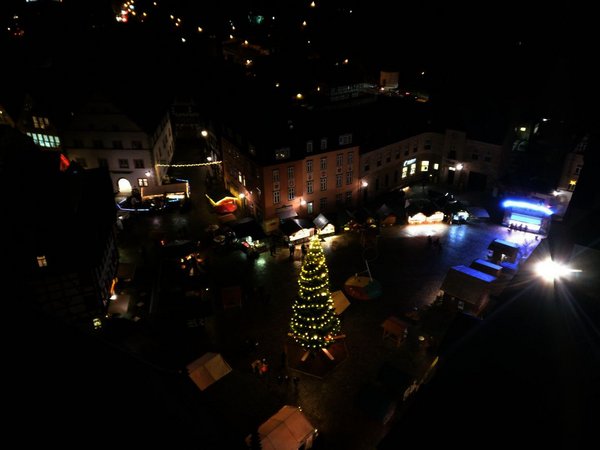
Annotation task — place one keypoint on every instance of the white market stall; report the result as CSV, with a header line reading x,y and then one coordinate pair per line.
x,y
288,429
208,369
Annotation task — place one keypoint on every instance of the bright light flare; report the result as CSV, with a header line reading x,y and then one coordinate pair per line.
x,y
551,270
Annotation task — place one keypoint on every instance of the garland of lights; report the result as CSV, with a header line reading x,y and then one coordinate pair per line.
x,y
212,163
314,324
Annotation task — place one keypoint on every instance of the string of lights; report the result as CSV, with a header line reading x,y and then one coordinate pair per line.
x,y
314,323
212,163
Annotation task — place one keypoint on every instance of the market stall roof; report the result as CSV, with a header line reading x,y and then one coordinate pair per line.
x,y
207,369
384,211
218,195
340,302
247,227
286,212
291,226
508,248
424,206
478,212
487,267
288,429
320,221
467,284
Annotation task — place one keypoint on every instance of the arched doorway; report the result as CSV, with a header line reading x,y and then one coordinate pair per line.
x,y
124,186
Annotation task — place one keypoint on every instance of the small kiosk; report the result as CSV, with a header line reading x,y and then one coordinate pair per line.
x,y
500,251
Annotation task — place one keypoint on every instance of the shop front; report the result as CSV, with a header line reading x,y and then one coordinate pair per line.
x,y
527,216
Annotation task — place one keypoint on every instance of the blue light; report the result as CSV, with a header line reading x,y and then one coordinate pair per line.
x,y
527,205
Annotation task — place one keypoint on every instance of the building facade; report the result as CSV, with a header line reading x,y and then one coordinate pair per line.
x,y
430,157
303,180
101,135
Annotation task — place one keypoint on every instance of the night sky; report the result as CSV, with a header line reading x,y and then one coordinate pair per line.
x,y
520,60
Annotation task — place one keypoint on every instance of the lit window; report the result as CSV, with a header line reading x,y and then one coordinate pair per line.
x,y
413,168
276,198
424,166
436,166
310,206
142,182
404,172
291,193
239,176
309,187
41,260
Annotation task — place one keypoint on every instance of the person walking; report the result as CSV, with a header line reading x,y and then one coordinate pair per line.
x,y
304,251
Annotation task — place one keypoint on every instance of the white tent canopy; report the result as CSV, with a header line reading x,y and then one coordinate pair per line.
x,y
288,429
207,369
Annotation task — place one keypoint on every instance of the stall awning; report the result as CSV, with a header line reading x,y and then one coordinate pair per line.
x,y
289,227
286,213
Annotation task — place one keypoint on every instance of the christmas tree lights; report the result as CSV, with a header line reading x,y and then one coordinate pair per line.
x,y
314,324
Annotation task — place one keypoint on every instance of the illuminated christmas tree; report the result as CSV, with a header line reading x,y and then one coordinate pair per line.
x,y
314,324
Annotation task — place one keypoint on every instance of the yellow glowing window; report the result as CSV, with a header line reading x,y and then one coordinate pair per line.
x,y
41,260
424,166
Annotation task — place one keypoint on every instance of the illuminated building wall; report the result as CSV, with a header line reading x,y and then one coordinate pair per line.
x,y
101,135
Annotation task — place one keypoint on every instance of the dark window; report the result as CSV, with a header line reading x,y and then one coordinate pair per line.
x,y
452,154
117,144
102,162
487,158
138,163
136,144
474,156
97,143
77,143
123,164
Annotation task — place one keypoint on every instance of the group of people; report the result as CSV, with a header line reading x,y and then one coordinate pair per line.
x,y
292,250
303,249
